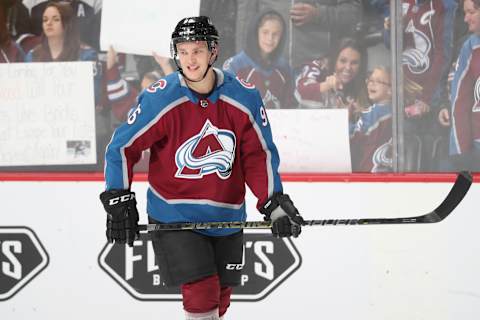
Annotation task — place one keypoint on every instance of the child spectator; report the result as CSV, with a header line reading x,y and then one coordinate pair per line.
x,y
371,136
313,27
260,62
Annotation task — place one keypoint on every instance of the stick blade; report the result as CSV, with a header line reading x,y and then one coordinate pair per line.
x,y
455,196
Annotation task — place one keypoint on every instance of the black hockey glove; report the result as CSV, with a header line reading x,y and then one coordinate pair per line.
x,y
286,221
122,216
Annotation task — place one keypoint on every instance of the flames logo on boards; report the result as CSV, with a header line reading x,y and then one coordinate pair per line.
x,y
212,150
382,158
476,95
417,58
158,85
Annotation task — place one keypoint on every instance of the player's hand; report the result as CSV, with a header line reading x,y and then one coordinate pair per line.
x,y
286,220
122,216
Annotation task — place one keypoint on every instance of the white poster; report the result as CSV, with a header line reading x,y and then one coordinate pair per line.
x,y
47,114
143,26
314,140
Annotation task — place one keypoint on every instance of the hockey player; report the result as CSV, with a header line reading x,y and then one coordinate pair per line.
x,y
209,135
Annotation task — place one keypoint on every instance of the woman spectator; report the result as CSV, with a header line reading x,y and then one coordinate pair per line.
x,y
9,50
60,41
260,62
336,81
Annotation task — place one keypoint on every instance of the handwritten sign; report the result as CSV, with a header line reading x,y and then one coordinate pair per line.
x,y
47,114
314,140
143,26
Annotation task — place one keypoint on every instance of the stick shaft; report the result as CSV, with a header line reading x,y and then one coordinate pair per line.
x,y
454,197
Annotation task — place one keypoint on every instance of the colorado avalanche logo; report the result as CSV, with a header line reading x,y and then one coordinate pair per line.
x,y
159,85
417,59
246,84
382,158
212,150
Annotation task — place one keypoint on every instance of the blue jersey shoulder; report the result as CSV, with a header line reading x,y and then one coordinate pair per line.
x,y
162,93
241,91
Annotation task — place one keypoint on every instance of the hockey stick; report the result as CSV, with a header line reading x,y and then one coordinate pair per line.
x,y
454,197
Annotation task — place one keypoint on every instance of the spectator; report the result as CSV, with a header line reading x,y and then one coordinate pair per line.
x,y
9,50
18,20
313,26
427,54
87,12
371,136
163,65
118,94
465,96
261,64
149,78
60,41
336,81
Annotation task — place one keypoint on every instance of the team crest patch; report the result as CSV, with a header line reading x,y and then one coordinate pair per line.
x,y
158,85
210,151
246,84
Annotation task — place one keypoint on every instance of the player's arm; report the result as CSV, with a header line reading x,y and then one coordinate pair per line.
x,y
260,161
138,133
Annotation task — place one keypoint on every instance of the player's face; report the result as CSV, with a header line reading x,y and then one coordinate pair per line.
x,y
194,58
378,86
269,35
472,16
347,65
52,23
